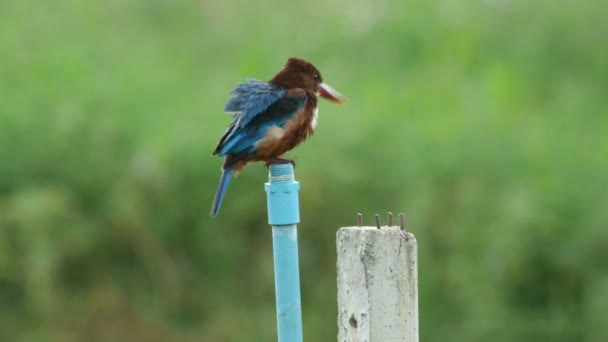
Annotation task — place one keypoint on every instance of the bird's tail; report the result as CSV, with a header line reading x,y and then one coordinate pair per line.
x,y
221,190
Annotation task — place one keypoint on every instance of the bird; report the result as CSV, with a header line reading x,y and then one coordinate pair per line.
x,y
269,119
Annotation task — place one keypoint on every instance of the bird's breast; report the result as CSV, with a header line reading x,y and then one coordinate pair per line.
x,y
278,140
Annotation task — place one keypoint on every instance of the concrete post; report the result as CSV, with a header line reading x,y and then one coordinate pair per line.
x,y
377,285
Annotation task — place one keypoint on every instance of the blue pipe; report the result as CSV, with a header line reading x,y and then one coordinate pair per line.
x,y
283,215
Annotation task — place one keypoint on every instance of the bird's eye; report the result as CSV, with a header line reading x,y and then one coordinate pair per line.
x,y
317,77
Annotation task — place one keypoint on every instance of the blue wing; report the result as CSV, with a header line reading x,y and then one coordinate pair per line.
x,y
258,106
250,99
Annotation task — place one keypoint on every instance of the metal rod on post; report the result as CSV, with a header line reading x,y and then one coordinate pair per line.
x,y
283,215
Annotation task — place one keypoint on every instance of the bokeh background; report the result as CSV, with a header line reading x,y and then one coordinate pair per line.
x,y
484,121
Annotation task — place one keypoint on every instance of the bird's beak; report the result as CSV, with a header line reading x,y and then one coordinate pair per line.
x,y
330,93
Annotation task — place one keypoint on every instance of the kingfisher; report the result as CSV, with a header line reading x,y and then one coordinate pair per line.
x,y
269,119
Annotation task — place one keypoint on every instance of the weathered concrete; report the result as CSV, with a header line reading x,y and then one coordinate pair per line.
x,y
377,285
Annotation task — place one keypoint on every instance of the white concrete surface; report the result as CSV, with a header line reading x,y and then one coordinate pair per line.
x,y
377,285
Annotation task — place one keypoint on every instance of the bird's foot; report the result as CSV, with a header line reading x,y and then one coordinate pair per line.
x,y
272,161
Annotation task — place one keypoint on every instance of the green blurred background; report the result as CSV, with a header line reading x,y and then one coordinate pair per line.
x,y
484,121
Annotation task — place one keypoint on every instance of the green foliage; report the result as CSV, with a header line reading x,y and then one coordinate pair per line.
x,y
485,122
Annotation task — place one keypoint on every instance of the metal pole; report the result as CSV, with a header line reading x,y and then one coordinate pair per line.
x,y
283,215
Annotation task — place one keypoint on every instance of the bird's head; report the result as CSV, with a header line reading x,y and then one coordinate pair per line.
x,y
298,73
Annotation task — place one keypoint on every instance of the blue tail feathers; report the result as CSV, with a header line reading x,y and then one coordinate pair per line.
x,y
221,191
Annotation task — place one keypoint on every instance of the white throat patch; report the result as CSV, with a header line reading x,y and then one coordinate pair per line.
x,y
315,118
